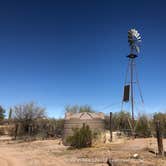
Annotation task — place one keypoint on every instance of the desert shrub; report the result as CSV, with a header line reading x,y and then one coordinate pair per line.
x,y
2,113
161,117
120,121
78,109
59,127
81,137
107,122
143,127
50,127
40,129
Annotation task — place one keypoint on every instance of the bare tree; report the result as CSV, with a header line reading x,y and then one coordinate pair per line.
x,y
27,114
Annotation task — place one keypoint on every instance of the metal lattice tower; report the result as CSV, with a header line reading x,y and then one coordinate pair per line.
x,y
134,40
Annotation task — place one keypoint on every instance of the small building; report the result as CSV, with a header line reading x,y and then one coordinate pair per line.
x,y
76,120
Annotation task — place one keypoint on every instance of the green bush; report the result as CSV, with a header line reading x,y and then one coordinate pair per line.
x,y
2,113
143,127
78,109
120,121
81,137
161,117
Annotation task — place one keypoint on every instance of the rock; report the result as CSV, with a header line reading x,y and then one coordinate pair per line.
x,y
136,156
109,162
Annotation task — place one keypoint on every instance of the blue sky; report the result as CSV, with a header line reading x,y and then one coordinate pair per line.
x,y
65,52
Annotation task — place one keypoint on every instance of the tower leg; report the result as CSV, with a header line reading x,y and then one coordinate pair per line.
x,y
132,93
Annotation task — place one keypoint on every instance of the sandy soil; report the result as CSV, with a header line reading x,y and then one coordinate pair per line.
x,y
38,153
51,153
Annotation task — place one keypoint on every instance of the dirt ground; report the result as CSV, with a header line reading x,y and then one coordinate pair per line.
x,y
52,153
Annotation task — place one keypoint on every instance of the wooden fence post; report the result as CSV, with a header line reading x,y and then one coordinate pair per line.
x,y
16,131
159,138
111,126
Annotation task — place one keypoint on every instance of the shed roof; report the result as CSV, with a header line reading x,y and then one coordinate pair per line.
x,y
84,115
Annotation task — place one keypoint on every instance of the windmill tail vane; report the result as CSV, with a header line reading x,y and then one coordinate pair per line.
x,y
134,40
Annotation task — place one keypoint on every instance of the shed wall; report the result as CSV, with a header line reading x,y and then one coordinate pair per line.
x,y
94,124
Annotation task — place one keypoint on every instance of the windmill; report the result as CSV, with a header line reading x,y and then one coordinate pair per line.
x,y
134,40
